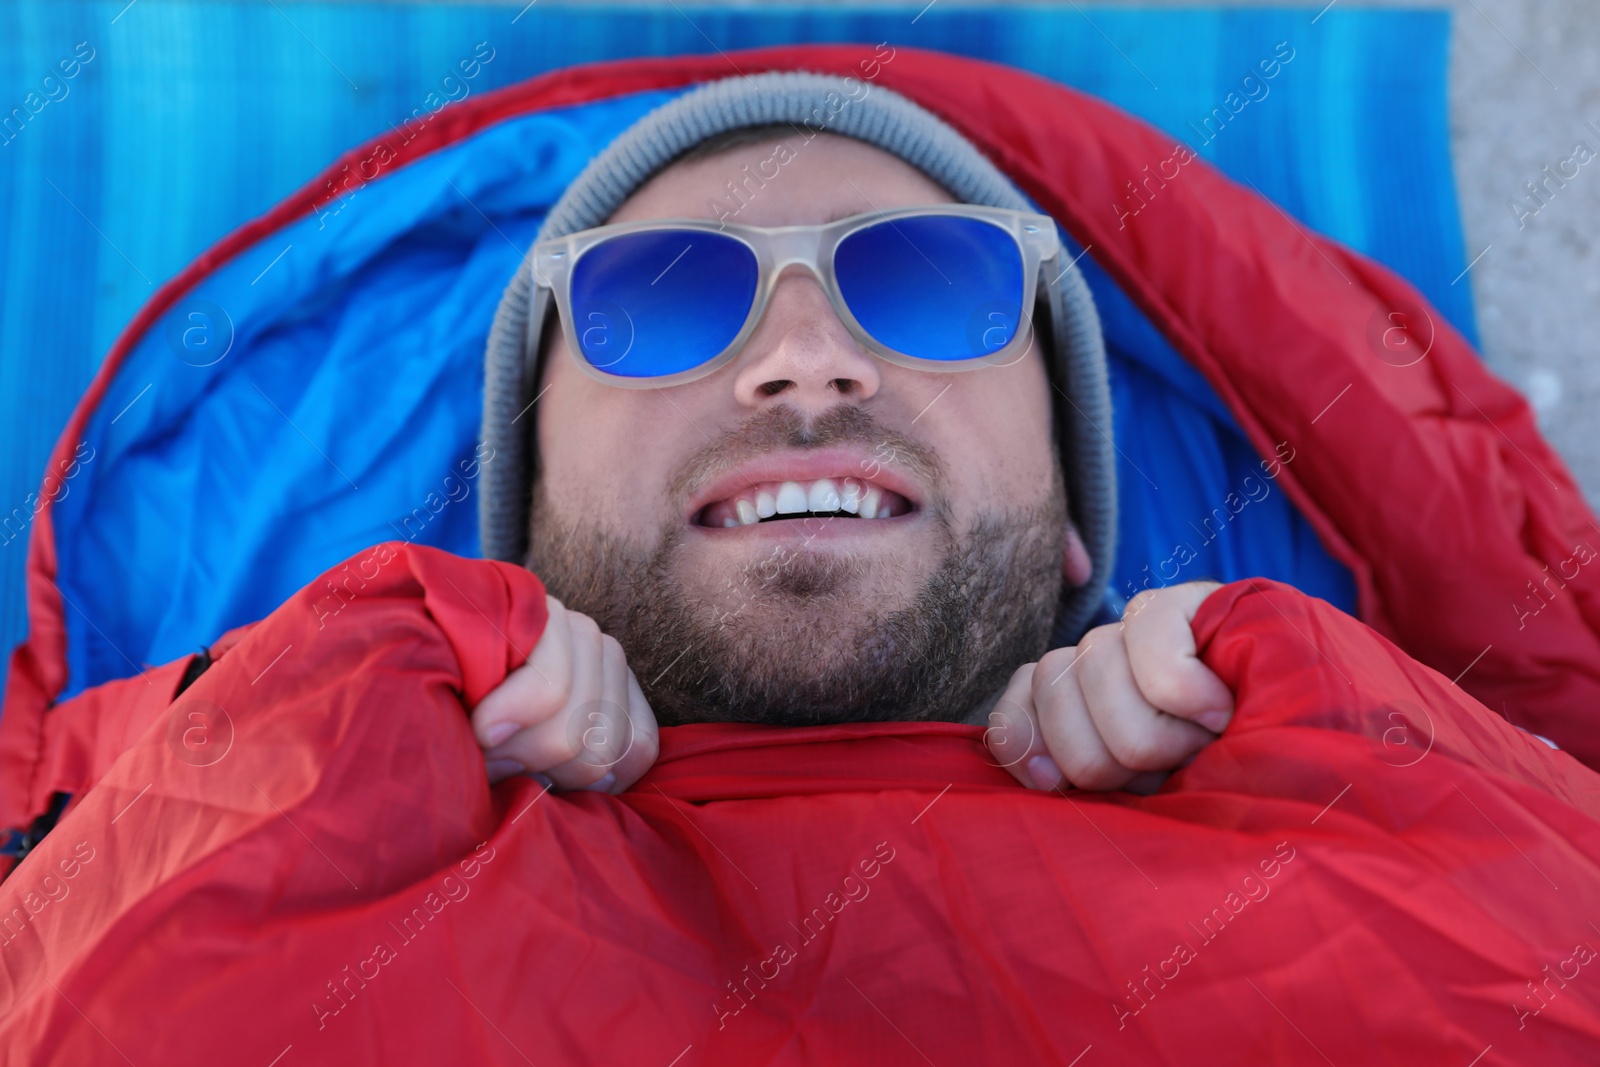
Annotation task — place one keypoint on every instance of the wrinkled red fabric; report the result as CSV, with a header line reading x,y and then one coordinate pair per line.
x,y
1367,867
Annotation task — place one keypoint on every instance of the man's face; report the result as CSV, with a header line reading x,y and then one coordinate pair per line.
x,y
921,614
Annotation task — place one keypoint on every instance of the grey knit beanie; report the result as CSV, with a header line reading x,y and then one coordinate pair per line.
x,y
824,103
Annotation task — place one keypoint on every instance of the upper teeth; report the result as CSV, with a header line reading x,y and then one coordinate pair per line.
x,y
823,496
851,501
849,495
792,499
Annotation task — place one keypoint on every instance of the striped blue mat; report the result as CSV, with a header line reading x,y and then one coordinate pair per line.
x,y
180,121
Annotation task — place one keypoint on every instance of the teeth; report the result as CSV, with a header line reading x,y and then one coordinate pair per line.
x,y
852,496
823,496
851,501
791,499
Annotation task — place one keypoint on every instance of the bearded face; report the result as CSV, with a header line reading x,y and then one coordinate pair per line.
x,y
808,533
796,631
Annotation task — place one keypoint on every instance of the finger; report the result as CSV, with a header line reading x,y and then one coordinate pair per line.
x,y
534,692
1137,734
1161,652
600,731
556,740
1070,734
641,755
1013,736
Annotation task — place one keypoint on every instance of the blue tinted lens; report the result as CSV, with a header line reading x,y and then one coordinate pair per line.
x,y
938,287
646,305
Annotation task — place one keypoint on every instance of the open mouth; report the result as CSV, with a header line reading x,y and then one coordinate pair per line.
x,y
846,498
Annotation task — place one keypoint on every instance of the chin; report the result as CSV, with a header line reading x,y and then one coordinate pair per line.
x,y
814,638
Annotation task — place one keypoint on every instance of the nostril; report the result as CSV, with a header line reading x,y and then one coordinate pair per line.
x,y
845,385
773,388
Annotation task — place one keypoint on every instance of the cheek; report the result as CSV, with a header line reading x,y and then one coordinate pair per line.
x,y
580,450
606,452
998,439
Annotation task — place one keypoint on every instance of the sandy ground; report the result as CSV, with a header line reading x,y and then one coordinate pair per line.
x,y
1525,91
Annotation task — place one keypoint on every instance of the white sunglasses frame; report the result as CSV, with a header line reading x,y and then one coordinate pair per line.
x,y
811,246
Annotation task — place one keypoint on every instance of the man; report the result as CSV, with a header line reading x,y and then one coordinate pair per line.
x,y
660,524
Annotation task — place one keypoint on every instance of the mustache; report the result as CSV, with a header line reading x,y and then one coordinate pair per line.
x,y
784,427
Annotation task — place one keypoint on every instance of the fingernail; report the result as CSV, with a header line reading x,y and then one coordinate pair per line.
x,y
1215,720
503,768
604,784
1043,772
498,733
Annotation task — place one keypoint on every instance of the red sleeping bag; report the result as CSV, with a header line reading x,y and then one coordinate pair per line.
x,y
1368,867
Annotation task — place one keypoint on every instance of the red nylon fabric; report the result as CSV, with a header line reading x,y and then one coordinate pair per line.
x,y
343,886
80,738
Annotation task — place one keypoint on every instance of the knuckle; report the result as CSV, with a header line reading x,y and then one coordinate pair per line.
x,y
555,687
1022,675
1138,750
1140,601
555,609
583,626
1052,678
1055,661
1098,672
1162,689
1101,639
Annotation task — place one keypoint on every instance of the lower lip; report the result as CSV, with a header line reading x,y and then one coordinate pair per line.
x,y
821,529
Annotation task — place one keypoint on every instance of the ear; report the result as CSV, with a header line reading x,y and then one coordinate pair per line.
x,y
1075,563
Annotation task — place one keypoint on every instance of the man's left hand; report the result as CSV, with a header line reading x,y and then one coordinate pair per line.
x,y
1126,706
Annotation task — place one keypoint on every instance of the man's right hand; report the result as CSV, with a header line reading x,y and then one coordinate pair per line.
x,y
574,714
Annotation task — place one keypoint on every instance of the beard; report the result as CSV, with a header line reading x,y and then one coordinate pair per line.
x,y
792,637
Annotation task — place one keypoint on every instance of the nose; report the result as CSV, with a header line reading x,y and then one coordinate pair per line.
x,y
801,354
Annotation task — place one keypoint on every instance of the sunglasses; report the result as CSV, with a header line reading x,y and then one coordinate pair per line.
x,y
663,302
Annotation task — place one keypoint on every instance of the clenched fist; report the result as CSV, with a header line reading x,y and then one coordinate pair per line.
x,y
573,715
1121,710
